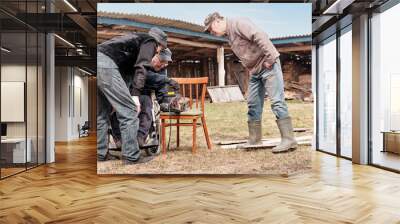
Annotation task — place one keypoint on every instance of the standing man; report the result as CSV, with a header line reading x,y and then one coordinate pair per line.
x,y
257,53
131,56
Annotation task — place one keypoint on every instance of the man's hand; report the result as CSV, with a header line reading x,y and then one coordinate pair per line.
x,y
136,102
268,65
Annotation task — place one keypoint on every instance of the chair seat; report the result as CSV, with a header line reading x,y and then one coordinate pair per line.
x,y
192,112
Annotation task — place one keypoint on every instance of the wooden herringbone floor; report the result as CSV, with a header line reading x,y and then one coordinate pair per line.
x,y
69,191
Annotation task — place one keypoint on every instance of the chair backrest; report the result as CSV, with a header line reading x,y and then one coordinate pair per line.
x,y
194,89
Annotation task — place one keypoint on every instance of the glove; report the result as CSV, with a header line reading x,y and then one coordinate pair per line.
x,y
136,102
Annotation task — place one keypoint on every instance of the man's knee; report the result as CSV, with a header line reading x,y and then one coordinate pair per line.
x,y
279,108
254,110
278,103
253,100
253,115
126,115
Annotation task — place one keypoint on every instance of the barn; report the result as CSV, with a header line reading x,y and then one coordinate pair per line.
x,y
196,53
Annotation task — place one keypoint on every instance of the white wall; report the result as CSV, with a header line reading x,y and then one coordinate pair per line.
x,y
61,103
70,83
79,117
12,73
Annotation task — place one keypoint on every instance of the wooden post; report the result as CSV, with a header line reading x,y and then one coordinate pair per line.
x,y
229,80
221,65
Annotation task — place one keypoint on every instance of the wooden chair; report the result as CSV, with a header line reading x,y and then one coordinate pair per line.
x,y
196,104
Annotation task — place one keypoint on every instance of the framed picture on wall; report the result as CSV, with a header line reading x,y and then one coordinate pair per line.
x,y
12,101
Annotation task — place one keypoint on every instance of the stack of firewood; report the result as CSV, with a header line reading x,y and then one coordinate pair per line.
x,y
296,91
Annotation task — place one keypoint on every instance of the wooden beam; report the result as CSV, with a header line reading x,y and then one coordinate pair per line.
x,y
106,34
192,43
296,48
101,36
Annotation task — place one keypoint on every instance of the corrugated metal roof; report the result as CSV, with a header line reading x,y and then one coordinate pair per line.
x,y
154,20
291,36
168,29
305,38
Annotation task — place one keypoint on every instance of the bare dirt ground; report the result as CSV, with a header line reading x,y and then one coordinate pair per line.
x,y
227,121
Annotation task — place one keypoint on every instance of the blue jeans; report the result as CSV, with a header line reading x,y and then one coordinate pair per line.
x,y
268,81
112,93
145,119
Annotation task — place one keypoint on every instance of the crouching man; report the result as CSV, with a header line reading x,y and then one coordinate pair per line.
x,y
122,62
257,53
157,81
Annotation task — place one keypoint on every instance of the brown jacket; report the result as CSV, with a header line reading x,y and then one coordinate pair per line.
x,y
250,44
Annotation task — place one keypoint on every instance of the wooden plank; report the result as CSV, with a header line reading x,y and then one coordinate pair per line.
x,y
232,142
222,94
234,93
192,43
264,145
269,146
216,95
300,129
294,48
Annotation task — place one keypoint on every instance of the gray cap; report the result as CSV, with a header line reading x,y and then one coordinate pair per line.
x,y
210,18
159,35
166,55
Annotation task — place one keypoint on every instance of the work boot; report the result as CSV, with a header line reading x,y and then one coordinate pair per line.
x,y
254,133
141,140
288,142
145,142
107,157
142,159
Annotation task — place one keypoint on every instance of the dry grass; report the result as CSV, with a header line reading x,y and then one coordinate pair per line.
x,y
226,121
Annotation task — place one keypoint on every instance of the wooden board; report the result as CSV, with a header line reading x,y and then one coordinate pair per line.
x,y
300,129
223,94
264,145
231,142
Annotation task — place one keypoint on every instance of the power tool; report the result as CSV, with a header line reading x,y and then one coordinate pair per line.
x,y
173,101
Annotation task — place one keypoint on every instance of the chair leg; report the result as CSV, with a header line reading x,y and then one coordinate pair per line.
x,y
164,147
194,135
177,133
203,121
